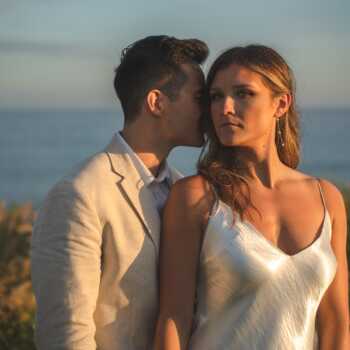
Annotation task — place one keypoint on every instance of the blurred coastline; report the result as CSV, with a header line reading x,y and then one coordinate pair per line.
x,y
38,147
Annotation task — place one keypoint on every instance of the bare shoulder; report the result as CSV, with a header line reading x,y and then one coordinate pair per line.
x,y
192,196
308,183
331,192
191,189
333,197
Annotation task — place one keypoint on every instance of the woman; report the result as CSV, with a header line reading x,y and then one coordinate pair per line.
x,y
253,251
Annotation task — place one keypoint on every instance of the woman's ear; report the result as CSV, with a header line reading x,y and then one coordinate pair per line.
x,y
284,102
155,102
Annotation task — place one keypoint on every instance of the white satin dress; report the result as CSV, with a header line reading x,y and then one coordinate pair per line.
x,y
253,296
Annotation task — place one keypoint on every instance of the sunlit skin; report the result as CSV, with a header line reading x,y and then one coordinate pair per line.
x,y
182,122
244,111
289,211
164,123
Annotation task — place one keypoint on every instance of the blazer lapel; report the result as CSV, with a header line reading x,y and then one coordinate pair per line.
x,y
134,190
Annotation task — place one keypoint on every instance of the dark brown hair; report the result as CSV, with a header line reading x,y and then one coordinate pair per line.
x,y
219,164
154,63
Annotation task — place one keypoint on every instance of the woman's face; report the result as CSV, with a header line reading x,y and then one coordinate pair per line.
x,y
243,108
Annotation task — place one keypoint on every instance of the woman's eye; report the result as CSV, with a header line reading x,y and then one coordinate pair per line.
x,y
244,93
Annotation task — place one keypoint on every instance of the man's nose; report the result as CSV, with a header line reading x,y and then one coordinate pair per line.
x,y
229,105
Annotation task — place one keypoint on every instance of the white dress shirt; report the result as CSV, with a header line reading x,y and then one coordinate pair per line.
x,y
159,185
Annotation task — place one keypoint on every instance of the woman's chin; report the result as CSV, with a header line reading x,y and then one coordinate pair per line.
x,y
228,140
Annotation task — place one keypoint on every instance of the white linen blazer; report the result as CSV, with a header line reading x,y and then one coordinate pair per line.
x,y
95,258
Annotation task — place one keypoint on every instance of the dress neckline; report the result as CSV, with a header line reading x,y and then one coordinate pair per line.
x,y
237,221
260,235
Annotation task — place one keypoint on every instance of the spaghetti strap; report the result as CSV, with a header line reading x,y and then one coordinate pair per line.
x,y
321,192
214,192
216,202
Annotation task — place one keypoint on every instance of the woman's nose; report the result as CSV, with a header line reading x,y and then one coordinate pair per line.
x,y
229,106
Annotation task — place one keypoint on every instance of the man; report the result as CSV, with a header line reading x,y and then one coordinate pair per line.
x,y
95,243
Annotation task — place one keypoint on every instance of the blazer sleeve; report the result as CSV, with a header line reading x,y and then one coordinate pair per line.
x,y
66,262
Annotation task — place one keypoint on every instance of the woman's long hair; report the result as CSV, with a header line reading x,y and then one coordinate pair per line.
x,y
219,164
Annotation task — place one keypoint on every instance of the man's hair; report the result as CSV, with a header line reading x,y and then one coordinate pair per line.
x,y
154,63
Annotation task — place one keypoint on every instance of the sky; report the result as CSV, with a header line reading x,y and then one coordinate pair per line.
x,y
62,54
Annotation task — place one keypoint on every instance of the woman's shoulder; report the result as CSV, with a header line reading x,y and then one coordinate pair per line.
x,y
333,196
192,192
191,186
331,193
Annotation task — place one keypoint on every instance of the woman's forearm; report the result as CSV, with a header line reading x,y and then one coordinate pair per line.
x,y
334,337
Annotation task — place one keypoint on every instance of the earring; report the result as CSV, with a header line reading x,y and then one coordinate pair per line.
x,y
279,133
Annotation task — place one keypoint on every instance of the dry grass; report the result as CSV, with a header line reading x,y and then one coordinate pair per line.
x,y
17,303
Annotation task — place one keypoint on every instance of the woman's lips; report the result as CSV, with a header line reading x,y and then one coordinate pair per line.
x,y
231,124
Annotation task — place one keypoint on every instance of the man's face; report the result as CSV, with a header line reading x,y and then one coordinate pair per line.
x,y
184,113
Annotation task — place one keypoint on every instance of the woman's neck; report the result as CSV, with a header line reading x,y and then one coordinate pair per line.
x,y
260,167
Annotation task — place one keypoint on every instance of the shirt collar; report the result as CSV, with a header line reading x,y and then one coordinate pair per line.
x,y
146,176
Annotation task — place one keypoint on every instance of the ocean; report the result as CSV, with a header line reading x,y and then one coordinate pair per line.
x,y
37,147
